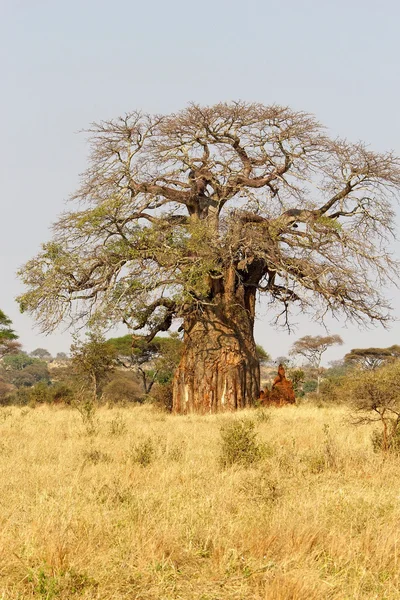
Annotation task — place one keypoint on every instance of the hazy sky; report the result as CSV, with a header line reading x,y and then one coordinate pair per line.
x,y
66,64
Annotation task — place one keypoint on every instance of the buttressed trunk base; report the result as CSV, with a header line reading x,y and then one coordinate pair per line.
x,y
219,369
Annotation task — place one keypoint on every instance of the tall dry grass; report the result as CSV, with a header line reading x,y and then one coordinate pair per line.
x,y
143,508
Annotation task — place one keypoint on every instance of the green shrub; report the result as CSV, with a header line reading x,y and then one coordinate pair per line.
x,y
40,393
121,390
310,386
20,397
144,452
239,444
61,393
375,396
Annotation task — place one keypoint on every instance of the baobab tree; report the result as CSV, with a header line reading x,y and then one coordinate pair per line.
x,y
185,218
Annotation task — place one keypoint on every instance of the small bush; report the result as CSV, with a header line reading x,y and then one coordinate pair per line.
x,y
20,397
332,391
40,393
61,393
87,408
161,394
122,391
239,444
96,456
144,452
310,386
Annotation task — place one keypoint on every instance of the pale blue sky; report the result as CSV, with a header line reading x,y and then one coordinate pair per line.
x,y
65,64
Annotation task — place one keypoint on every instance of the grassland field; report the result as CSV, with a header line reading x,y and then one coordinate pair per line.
x,y
141,507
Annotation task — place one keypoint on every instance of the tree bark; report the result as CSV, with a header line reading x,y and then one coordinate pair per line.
x,y
219,369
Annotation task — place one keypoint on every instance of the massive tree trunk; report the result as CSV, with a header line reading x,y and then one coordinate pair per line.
x,y
219,369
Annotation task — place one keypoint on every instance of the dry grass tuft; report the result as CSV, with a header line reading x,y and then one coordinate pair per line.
x,y
146,509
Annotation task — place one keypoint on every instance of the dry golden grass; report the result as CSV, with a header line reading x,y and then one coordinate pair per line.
x,y
143,510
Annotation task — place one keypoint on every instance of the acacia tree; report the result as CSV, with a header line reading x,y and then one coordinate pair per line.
x,y
375,396
42,354
93,361
312,347
372,358
8,337
188,216
153,361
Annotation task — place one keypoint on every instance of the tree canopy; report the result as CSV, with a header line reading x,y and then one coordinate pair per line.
x,y
372,358
172,200
42,353
154,361
312,347
8,337
93,361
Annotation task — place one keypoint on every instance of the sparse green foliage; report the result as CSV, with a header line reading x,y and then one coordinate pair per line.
x,y
40,393
62,392
309,386
18,362
86,405
93,362
375,396
297,377
153,361
8,337
262,354
22,370
239,445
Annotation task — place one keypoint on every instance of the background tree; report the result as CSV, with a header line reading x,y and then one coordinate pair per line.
x,y
6,390
93,361
18,362
42,354
188,216
153,361
8,337
312,348
286,361
297,377
375,396
262,355
372,358
23,370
